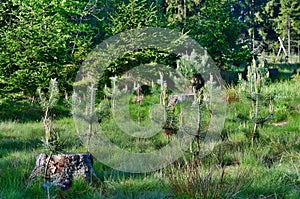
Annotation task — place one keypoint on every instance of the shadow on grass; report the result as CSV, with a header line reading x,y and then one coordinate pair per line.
x,y
278,72
24,111
8,146
286,70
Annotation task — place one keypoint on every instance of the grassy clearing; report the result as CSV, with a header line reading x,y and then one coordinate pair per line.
x,y
234,169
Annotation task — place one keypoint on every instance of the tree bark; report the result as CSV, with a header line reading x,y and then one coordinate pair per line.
x,y
61,169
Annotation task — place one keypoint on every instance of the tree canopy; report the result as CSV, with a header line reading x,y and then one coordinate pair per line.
x,y
43,39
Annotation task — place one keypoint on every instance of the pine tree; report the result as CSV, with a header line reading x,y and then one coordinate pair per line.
x,y
135,14
41,40
288,23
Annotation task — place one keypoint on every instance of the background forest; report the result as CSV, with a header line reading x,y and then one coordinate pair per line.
x,y
41,40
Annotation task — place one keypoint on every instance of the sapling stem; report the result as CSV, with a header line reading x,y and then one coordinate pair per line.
x,y
138,89
257,77
91,114
48,103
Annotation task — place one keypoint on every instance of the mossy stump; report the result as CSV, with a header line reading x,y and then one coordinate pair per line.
x,y
61,169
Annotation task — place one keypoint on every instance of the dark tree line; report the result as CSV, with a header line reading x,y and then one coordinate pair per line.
x,y
40,40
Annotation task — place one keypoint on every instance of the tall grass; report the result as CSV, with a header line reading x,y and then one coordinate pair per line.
x,y
233,169
191,180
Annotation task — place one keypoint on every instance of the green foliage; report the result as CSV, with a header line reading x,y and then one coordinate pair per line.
x,y
273,18
38,42
50,100
216,29
261,110
212,24
127,15
265,21
192,65
54,144
289,13
103,110
132,14
51,141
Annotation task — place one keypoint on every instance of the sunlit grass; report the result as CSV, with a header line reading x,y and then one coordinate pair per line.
x,y
270,168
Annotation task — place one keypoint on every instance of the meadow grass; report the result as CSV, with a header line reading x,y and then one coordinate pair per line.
x,y
233,169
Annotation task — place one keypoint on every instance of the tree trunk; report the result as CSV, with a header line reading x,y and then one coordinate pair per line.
x,y
61,169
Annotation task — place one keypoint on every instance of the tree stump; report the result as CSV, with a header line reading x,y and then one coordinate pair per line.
x,y
61,169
